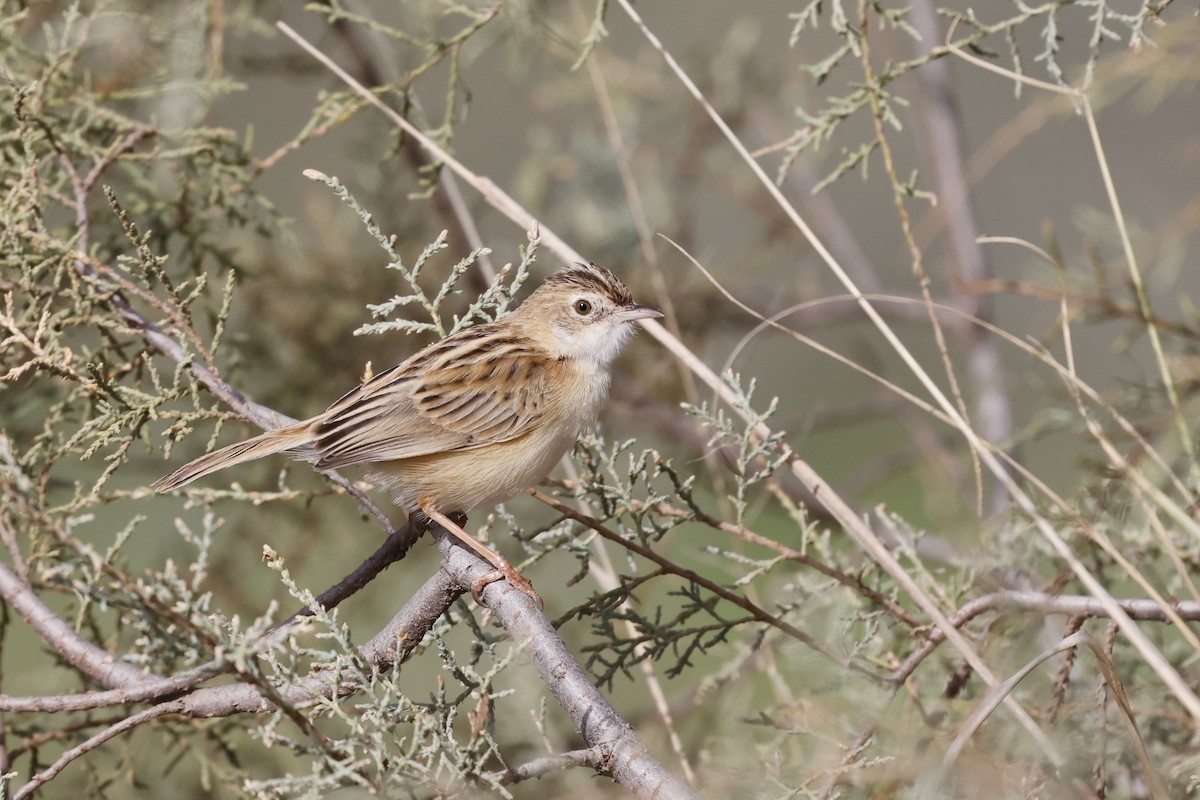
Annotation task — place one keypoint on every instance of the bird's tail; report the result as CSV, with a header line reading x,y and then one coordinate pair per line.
x,y
293,437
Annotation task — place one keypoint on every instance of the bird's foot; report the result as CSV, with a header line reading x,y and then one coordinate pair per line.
x,y
506,572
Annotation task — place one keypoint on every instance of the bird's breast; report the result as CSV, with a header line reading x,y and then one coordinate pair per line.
x,y
461,480
578,393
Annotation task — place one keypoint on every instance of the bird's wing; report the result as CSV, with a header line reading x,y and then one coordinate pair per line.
x,y
476,388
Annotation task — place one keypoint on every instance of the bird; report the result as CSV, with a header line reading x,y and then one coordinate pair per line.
x,y
474,419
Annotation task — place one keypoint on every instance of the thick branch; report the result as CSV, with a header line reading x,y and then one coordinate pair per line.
x,y
615,747
93,661
394,643
620,752
128,684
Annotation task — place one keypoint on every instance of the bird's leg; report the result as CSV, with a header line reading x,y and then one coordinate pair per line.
x,y
503,568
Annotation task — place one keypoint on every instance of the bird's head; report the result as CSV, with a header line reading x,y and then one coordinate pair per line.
x,y
583,312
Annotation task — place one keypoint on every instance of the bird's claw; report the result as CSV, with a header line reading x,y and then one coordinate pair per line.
x,y
518,581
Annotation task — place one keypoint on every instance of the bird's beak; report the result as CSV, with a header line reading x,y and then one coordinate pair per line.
x,y
631,313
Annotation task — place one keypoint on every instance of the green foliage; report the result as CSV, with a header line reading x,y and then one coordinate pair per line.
x,y
154,277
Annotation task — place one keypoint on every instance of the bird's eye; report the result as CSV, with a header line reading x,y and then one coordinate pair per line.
x,y
583,307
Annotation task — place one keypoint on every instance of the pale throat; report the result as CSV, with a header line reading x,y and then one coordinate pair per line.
x,y
597,344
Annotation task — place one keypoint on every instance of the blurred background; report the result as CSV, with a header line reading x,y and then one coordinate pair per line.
x,y
581,121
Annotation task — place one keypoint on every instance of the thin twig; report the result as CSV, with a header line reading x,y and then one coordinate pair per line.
x,y
694,577
381,59
547,764
1135,272
992,701
1062,605
147,687
394,643
128,723
603,571
744,533
394,548
850,519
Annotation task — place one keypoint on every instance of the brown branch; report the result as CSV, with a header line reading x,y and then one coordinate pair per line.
x,y
66,733
146,688
744,533
1097,302
655,414
694,577
394,548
